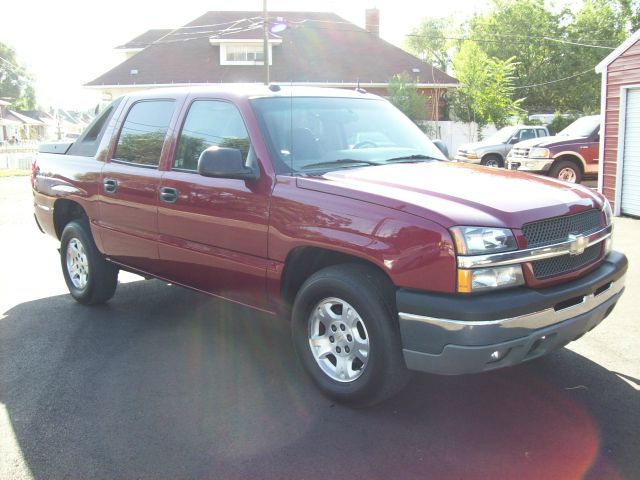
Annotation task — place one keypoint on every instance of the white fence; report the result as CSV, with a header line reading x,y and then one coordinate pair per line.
x,y
454,134
17,157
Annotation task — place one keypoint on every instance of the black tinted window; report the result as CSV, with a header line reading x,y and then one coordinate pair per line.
x,y
527,134
88,143
208,123
144,131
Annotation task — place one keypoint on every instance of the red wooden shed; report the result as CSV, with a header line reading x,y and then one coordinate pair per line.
x,y
619,172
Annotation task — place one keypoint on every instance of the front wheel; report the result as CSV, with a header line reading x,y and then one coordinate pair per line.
x,y
90,278
493,161
346,334
566,171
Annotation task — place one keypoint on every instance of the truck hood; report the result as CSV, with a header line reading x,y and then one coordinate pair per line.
x,y
456,193
479,145
552,141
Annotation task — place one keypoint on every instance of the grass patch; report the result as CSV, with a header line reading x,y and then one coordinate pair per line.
x,y
12,172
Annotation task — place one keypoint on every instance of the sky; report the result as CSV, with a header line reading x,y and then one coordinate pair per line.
x,y
67,43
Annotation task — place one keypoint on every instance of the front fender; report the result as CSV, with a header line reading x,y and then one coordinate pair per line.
x,y
414,252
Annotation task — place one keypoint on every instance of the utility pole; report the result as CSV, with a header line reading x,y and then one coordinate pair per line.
x,y
265,44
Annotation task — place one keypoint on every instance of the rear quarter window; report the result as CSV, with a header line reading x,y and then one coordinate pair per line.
x,y
88,143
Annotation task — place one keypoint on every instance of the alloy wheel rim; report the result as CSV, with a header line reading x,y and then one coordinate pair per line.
x,y
77,264
567,175
338,340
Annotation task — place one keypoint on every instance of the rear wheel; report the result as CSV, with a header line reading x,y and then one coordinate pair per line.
x,y
90,278
566,171
492,161
346,334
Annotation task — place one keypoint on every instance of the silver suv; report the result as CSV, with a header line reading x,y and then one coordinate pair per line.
x,y
493,150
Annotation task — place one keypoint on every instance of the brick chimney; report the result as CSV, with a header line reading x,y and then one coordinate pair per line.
x,y
372,21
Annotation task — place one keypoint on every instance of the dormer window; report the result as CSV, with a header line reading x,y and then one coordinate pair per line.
x,y
243,52
248,54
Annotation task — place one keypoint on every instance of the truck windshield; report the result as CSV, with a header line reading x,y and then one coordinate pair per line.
x,y
582,127
326,133
502,136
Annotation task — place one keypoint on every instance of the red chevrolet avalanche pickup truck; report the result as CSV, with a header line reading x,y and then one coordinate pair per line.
x,y
330,208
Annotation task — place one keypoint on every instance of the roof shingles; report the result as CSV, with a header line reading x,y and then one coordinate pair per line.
x,y
316,48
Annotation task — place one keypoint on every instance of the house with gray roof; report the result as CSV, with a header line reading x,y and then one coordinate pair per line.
x,y
315,49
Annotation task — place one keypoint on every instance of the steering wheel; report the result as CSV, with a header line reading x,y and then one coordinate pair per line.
x,y
364,144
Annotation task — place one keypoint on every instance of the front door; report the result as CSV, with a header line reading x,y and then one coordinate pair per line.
x,y
213,231
590,151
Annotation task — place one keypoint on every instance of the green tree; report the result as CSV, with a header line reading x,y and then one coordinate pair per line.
x,y
600,22
485,94
15,83
513,29
555,62
431,42
631,10
404,94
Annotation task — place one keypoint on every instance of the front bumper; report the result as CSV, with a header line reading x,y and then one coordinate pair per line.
x,y
529,164
456,334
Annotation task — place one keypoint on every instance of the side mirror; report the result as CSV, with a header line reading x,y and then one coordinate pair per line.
x,y
514,140
221,162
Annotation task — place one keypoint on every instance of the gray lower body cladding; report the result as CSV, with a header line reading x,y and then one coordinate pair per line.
x,y
454,334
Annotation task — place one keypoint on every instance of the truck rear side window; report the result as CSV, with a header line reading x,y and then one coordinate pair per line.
x,y
144,131
208,123
88,143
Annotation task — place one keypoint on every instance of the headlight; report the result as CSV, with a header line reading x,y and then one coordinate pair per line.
x,y
470,154
483,240
608,213
489,278
539,153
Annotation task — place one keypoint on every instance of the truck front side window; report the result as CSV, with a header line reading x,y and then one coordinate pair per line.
x,y
208,123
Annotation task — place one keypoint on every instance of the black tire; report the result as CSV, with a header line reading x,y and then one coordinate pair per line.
x,y
371,295
99,277
559,169
494,161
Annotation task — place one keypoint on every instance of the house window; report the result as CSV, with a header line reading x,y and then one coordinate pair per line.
x,y
243,54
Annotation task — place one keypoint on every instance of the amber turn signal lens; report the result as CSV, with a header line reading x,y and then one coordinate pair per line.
x,y
464,281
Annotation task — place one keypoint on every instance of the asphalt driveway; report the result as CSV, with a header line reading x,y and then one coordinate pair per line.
x,y
163,382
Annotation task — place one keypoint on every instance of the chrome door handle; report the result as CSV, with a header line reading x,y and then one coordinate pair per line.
x,y
169,194
110,185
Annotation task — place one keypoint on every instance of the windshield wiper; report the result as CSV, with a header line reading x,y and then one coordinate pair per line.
x,y
339,162
412,157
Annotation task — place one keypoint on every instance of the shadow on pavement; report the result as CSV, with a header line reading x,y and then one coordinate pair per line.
x,y
166,383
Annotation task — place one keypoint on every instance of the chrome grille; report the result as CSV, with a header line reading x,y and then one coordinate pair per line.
x,y
565,263
557,230
520,152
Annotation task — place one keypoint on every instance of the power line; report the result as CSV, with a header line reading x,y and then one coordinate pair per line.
x,y
254,25
485,40
553,81
215,24
231,28
15,68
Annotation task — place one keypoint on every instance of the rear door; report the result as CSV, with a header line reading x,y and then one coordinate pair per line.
x,y
213,231
130,181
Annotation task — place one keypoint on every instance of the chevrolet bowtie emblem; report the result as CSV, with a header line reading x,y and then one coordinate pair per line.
x,y
578,244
